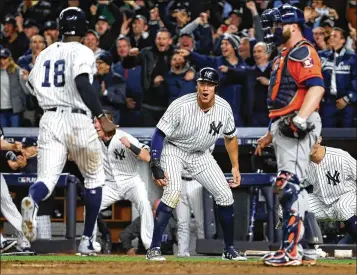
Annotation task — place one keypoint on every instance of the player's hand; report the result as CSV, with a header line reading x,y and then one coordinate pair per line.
x,y
189,75
125,28
21,161
352,32
157,80
17,146
158,175
130,103
107,125
25,75
183,52
131,252
223,68
235,182
341,103
125,141
263,142
204,18
253,8
232,29
263,80
134,52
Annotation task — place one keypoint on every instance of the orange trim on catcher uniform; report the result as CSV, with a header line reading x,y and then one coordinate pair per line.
x,y
299,73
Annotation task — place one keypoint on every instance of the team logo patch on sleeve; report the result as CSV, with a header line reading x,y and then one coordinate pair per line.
x,y
308,63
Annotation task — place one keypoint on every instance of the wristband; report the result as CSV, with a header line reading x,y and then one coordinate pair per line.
x,y
134,149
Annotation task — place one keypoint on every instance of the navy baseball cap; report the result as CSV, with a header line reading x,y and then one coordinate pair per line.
x,y
189,34
139,16
5,53
28,142
29,23
10,20
106,57
236,12
102,18
51,25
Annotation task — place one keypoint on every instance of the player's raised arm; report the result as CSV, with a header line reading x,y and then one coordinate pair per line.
x,y
134,146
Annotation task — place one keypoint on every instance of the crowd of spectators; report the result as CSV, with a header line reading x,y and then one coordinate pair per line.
x,y
148,54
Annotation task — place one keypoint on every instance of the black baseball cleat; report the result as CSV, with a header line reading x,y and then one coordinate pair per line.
x,y
231,253
107,244
6,245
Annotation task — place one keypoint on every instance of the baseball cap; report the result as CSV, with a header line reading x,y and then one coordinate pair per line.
x,y
94,33
4,52
51,25
29,23
106,57
189,34
28,142
328,22
236,12
102,18
139,16
10,20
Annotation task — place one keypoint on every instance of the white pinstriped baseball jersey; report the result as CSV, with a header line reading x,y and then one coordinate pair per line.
x,y
123,162
189,128
334,176
52,79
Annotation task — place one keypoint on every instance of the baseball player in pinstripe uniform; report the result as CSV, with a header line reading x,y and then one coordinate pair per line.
x,y
8,208
61,81
189,127
121,152
332,173
191,200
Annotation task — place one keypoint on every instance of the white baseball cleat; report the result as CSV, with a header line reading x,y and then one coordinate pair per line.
x,y
29,212
6,245
88,247
154,254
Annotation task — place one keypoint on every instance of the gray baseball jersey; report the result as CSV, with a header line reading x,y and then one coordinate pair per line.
x,y
334,185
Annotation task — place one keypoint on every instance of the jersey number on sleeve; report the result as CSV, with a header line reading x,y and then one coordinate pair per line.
x,y
58,76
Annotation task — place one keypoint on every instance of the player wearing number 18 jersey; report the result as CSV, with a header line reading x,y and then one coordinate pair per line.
x,y
61,81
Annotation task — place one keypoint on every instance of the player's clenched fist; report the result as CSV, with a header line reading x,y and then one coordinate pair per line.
x,y
183,52
134,52
159,176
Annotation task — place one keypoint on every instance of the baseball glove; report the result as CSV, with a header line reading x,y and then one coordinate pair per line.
x,y
291,129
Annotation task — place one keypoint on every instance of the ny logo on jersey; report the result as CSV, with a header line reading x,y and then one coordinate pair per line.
x,y
333,180
120,154
215,129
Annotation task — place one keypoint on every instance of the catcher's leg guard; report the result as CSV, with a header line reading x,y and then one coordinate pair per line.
x,y
290,252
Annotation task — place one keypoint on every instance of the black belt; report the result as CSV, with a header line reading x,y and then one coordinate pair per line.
x,y
186,179
74,110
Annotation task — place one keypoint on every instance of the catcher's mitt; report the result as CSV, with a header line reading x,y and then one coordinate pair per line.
x,y
290,128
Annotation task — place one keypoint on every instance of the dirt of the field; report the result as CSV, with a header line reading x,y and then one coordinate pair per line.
x,y
39,267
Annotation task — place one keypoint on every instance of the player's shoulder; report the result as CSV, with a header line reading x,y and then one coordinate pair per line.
x,y
302,51
336,152
183,101
222,103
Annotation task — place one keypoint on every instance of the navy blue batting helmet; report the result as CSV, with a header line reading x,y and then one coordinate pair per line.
x,y
291,15
209,74
72,22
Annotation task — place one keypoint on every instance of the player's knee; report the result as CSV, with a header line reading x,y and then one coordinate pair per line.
x,y
171,198
224,198
287,187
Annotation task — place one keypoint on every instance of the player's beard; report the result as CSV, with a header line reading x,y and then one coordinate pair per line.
x,y
286,35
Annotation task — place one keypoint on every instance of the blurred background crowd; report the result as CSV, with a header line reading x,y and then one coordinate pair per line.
x,y
148,54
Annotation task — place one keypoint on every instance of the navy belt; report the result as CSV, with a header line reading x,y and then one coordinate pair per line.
x,y
186,179
74,110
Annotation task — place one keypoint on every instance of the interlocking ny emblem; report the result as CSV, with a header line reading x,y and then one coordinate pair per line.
x,y
333,180
215,129
208,74
120,154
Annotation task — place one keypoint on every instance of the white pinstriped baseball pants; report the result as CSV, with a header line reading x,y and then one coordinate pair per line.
x,y
203,168
10,212
135,191
341,210
191,198
62,133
